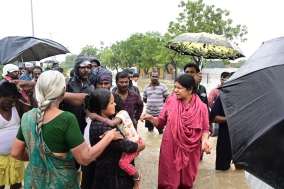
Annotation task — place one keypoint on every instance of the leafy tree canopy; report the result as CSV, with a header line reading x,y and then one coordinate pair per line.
x,y
197,17
69,61
90,50
110,57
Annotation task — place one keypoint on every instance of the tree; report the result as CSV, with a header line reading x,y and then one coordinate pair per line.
x,y
69,61
110,57
142,50
150,43
239,64
131,50
197,17
90,50
170,57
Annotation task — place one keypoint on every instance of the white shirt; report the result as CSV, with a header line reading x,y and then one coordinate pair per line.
x,y
87,131
8,132
134,83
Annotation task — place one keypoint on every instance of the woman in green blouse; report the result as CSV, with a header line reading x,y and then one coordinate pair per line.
x,y
50,139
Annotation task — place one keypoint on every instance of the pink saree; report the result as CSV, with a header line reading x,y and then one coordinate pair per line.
x,y
181,147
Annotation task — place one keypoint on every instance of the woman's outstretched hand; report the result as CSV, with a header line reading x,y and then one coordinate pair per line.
x,y
145,116
141,117
114,133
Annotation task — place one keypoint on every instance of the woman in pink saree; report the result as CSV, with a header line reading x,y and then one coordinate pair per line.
x,y
185,136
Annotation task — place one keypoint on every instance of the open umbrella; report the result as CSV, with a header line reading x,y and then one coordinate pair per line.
x,y
51,62
253,101
24,49
209,46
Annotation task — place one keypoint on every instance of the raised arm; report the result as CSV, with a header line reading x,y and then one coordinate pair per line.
x,y
153,120
23,107
95,116
85,155
75,99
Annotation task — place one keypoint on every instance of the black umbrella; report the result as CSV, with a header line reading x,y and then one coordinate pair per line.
x,y
24,49
51,62
253,101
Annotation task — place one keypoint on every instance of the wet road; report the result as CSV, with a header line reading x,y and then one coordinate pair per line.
x,y
208,177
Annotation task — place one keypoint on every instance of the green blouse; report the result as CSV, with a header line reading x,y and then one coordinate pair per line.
x,y
60,134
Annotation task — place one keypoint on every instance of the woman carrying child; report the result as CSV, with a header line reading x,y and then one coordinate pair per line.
x,y
108,173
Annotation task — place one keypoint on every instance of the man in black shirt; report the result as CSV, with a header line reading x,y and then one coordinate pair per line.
x,y
193,70
79,83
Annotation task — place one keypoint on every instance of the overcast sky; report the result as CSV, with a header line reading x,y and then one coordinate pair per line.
x,y
76,24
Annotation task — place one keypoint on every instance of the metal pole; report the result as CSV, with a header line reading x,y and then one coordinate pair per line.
x,y
50,34
32,18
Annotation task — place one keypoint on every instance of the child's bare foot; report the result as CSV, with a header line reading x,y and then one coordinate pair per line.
x,y
138,183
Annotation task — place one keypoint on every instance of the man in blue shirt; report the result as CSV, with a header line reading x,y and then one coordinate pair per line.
x,y
28,71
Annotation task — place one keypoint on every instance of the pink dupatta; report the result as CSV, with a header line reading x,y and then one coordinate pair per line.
x,y
187,123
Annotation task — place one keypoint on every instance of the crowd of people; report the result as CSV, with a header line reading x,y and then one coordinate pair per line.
x,y
63,125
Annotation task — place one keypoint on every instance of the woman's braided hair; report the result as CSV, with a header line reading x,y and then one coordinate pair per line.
x,y
50,85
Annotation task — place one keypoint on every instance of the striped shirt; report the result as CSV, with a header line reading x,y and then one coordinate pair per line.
x,y
155,98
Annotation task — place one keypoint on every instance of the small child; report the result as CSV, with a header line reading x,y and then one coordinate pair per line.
x,y
123,121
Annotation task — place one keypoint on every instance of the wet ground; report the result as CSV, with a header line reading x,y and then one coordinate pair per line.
x,y
208,177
